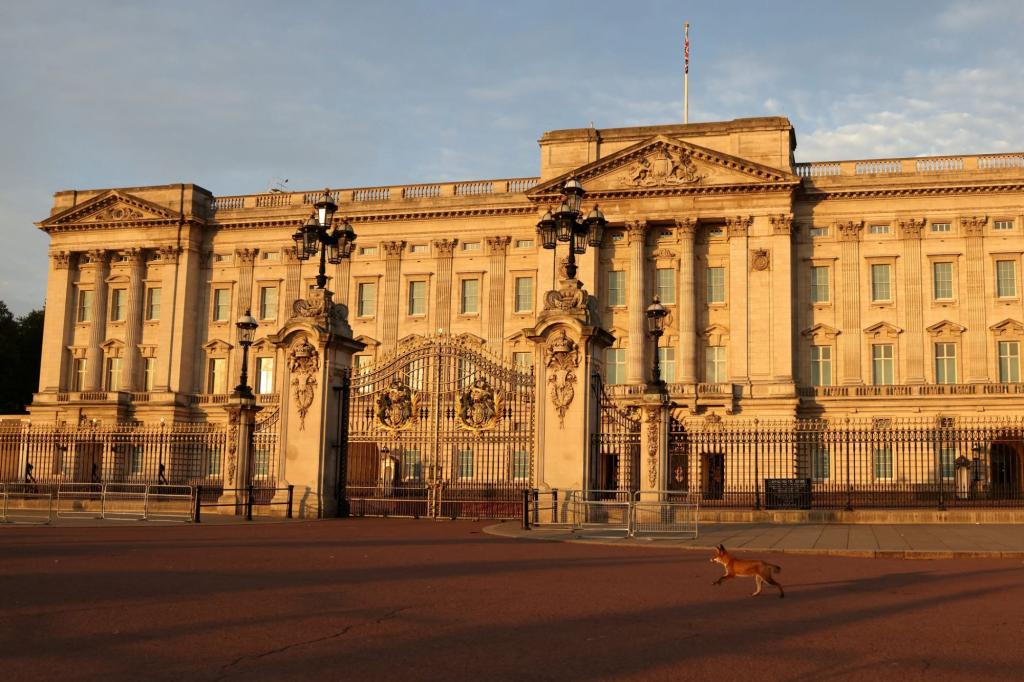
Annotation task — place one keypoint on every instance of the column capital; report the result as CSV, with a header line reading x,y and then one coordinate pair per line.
x,y
290,255
686,227
849,230
973,226
247,256
910,228
498,245
738,226
169,253
97,257
637,230
393,249
61,259
134,256
445,247
782,223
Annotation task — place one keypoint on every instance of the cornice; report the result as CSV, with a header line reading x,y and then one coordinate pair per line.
x,y
391,217
883,192
675,191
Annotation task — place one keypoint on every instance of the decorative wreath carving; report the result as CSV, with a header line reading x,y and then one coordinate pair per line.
x,y
304,363
397,407
562,358
480,406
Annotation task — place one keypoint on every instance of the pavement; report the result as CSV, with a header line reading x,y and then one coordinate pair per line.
x,y
893,541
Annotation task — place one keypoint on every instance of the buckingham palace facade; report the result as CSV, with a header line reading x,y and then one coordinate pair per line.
x,y
862,291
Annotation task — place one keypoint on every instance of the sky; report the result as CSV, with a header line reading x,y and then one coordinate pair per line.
x,y
239,96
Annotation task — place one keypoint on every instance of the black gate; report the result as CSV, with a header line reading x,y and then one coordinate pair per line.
x,y
615,448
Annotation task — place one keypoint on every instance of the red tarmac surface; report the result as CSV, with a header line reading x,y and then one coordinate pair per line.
x,y
421,600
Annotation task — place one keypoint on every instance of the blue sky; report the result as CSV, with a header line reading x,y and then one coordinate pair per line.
x,y
236,96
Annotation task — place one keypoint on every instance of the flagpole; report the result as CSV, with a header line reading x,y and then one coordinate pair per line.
x,y
686,74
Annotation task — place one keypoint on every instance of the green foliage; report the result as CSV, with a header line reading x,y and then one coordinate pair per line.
x,y
21,343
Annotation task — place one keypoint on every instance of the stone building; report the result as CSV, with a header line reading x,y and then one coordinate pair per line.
x,y
827,290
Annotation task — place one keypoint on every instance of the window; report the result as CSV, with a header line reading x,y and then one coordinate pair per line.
x,y
617,287
665,280
148,374
881,364
221,305
213,462
942,281
821,365
714,365
359,368
819,231
716,285
819,464
616,236
113,382
878,229
945,363
216,376
412,466
524,243
417,298
153,295
524,294
117,298
78,374
465,464
947,460
523,360
880,280
270,255
520,465
1006,278
265,375
717,231
470,300
419,248
367,250
261,462
1009,362
135,458
470,246
84,305
615,365
1002,225
940,227
819,284
367,299
883,463
667,360
268,303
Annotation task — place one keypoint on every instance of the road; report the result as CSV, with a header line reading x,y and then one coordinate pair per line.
x,y
370,599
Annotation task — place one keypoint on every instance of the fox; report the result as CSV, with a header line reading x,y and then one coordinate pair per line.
x,y
760,570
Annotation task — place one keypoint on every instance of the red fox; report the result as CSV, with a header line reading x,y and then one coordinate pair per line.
x,y
760,570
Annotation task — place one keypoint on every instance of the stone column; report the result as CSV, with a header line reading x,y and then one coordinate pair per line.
x,y
497,251
686,366
392,292
443,296
241,426
100,266
61,307
246,259
913,300
975,338
849,236
342,276
292,279
637,298
783,297
653,473
169,256
133,318
739,312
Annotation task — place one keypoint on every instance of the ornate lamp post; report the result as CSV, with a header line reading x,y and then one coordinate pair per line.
x,y
569,225
316,235
656,314
246,331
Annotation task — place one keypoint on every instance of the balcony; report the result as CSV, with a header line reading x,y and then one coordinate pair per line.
x,y
925,165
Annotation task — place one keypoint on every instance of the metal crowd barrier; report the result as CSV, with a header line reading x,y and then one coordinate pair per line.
x,y
640,513
170,503
24,502
395,500
603,509
43,502
244,502
79,500
664,512
125,501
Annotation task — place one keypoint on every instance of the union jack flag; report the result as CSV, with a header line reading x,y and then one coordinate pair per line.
x,y
686,51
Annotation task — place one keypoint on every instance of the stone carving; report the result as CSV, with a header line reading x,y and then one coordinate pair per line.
x,y
133,255
290,254
246,256
96,257
760,260
663,253
562,357
117,213
232,447
480,406
738,226
397,407
667,167
498,245
393,249
781,224
61,259
686,226
973,226
636,230
712,420
304,363
169,253
569,296
445,247
563,268
319,309
653,438
849,230
910,228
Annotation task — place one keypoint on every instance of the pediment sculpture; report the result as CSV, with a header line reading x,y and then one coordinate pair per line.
x,y
667,167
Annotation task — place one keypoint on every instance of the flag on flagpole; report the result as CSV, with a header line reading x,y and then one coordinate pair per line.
x,y
686,49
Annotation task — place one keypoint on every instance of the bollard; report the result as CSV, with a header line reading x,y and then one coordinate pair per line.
x,y
199,500
554,505
248,504
536,506
291,495
526,509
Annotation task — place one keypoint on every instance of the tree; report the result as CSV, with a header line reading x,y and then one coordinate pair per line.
x,y
21,344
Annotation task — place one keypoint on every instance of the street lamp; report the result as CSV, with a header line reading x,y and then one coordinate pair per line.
x,y
567,224
246,331
656,314
316,235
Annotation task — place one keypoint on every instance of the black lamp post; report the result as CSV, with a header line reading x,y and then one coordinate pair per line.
x,y
317,235
246,331
656,314
569,225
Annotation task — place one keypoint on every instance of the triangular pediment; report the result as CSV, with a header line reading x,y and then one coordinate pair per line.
x,y
883,330
112,208
946,327
667,165
217,346
1008,327
821,331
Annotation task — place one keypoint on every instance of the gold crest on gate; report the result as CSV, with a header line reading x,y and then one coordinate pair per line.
x,y
397,407
479,406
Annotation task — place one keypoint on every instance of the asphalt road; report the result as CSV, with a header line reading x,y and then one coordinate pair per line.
x,y
420,600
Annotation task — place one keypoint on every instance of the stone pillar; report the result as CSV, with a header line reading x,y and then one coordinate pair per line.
x,y
246,259
241,426
100,267
686,365
392,292
497,251
783,297
913,300
736,295
169,256
292,278
342,277
133,318
636,356
61,307
849,236
975,338
654,445
445,249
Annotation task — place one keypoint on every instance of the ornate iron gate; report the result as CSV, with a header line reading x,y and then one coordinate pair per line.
x,y
440,429
615,448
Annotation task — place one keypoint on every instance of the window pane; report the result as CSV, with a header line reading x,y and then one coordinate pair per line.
x,y
947,459
942,280
880,290
883,463
819,464
417,298
524,294
265,375
882,364
470,296
615,365
84,306
1009,362
523,360
217,377
945,363
465,464
617,287
716,285
520,465
666,284
149,374
821,365
412,465
714,365
117,305
113,374
268,303
78,374
819,284
940,227
153,303
667,360
367,299
221,303
1006,278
